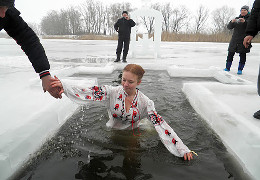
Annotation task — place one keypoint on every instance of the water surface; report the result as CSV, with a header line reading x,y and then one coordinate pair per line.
x,y
84,148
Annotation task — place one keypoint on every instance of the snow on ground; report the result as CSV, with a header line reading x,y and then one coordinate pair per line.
x,y
28,116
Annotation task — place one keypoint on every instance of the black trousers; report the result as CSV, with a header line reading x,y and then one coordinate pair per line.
x,y
122,41
230,57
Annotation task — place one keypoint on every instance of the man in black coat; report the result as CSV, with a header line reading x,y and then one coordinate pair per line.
x,y
253,26
123,27
24,36
236,43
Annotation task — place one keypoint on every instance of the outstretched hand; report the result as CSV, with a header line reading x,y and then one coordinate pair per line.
x,y
56,83
46,85
188,156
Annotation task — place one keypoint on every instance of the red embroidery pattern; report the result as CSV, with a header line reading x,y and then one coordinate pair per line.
x,y
155,118
167,132
120,97
98,93
134,113
174,141
77,95
116,106
114,115
88,97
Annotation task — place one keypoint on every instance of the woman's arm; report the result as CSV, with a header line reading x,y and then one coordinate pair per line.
x,y
231,24
82,95
167,135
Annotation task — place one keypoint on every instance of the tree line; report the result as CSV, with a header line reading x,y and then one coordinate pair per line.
x,y
93,17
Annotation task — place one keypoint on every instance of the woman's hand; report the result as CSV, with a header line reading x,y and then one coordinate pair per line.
x,y
56,83
188,156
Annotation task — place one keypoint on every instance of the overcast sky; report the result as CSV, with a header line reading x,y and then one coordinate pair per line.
x,y
34,10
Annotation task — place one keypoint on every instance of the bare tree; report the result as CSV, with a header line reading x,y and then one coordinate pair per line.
x,y
201,18
166,11
221,17
178,19
74,18
50,24
89,14
91,17
64,22
148,23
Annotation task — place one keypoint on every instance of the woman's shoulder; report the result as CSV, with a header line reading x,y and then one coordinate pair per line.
x,y
143,96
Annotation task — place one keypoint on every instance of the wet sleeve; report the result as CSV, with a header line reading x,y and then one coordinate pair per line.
x,y
167,135
84,95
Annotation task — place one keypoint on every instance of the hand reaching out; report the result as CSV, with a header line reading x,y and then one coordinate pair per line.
x,y
46,85
56,83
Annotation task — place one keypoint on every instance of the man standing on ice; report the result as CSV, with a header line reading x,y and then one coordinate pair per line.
x,y
253,26
236,43
123,27
24,36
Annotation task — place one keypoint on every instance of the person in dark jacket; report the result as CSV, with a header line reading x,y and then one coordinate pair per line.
x,y
17,28
253,26
236,43
123,27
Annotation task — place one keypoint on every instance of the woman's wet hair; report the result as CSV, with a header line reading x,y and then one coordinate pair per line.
x,y
135,69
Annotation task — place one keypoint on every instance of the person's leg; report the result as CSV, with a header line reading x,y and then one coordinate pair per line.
x,y
230,58
257,114
126,48
119,49
241,63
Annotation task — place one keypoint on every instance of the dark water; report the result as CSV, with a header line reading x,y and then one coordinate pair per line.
x,y
85,149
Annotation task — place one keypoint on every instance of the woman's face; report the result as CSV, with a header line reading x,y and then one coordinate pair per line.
x,y
243,12
129,81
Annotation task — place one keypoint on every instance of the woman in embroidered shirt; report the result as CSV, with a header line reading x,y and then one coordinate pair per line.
x,y
127,106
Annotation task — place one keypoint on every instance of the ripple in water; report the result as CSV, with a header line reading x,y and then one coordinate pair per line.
x,y
85,149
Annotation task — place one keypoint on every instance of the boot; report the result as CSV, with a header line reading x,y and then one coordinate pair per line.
x,y
124,58
228,65
240,68
117,58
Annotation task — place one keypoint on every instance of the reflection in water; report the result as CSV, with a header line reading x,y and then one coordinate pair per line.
x,y
131,163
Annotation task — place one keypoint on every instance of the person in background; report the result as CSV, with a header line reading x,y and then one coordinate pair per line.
x,y
127,106
17,28
253,26
236,43
123,27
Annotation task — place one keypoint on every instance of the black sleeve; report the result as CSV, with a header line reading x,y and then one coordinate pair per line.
x,y
116,25
231,25
24,36
132,23
251,28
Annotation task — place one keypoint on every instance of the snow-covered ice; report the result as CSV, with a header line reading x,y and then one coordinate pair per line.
x,y
28,116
